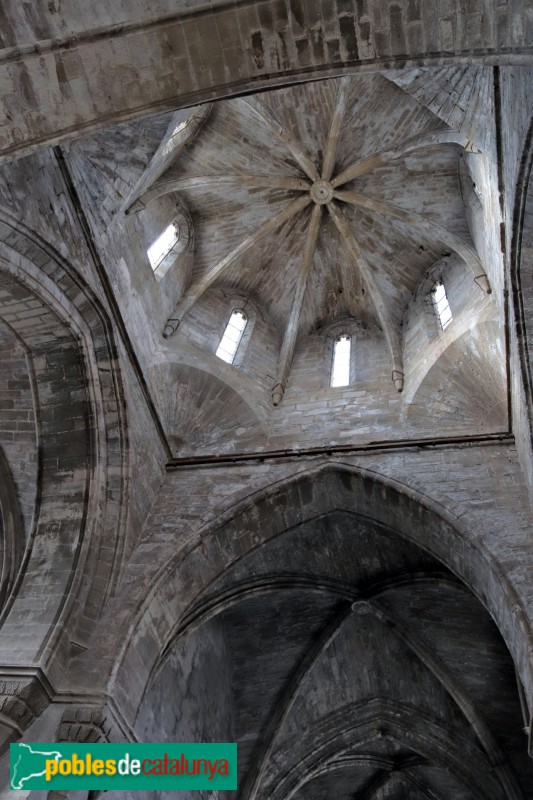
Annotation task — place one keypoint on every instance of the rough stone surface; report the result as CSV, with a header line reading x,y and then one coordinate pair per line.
x,y
337,578
158,61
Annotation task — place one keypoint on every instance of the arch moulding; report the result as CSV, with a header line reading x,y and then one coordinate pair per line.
x,y
169,592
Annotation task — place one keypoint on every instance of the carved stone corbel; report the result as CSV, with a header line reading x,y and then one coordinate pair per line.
x,y
85,724
24,695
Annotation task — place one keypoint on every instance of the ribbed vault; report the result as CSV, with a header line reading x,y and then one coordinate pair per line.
x,y
308,189
366,670
335,575
335,605
323,209
348,629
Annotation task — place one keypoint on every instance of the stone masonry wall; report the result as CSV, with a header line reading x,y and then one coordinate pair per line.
x,y
53,90
35,191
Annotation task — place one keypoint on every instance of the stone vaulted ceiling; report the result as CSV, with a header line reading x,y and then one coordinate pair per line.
x,y
358,667
326,203
331,609
314,150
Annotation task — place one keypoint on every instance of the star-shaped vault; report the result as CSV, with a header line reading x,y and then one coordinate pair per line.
x,y
313,189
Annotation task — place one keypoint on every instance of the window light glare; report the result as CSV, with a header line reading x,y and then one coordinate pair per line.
x,y
442,306
162,245
340,374
232,336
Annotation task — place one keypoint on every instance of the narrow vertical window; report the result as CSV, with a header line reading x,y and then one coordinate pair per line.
x,y
232,337
340,373
441,305
163,245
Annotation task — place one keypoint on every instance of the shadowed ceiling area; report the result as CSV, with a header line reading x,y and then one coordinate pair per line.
x,y
356,665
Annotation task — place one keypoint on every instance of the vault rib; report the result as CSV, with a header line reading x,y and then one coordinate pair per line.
x,y
287,699
405,775
195,292
415,779
427,226
267,584
386,768
389,330
177,137
436,751
460,697
364,165
291,331
169,185
347,759
374,784
266,115
262,585
335,130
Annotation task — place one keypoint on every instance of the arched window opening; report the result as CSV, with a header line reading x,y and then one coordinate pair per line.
x,y
340,373
231,339
163,245
441,305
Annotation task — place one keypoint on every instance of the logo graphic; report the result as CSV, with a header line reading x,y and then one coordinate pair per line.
x,y
30,763
123,766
